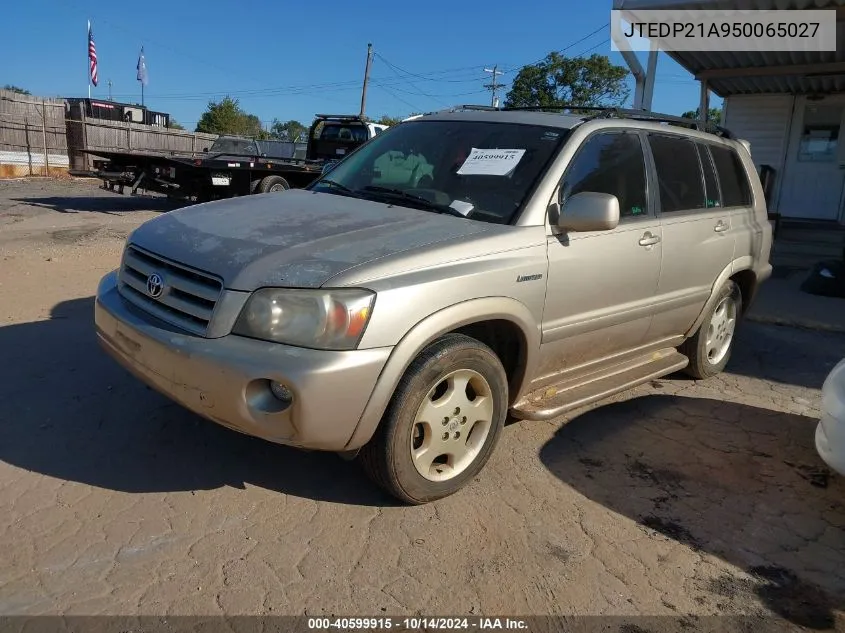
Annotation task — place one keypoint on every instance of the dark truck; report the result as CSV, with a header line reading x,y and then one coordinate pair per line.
x,y
237,166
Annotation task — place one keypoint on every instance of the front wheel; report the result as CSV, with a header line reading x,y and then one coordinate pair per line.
x,y
443,421
709,349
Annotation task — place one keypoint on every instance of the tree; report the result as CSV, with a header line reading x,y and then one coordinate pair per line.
x,y
390,120
292,131
713,114
175,125
16,89
560,81
227,117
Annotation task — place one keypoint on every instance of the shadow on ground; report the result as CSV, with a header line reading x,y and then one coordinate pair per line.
x,y
734,481
108,204
786,355
69,411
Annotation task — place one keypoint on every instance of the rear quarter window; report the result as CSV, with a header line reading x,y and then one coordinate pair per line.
x,y
736,190
711,186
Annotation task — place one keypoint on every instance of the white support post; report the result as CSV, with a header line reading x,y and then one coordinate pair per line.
x,y
639,75
650,76
624,47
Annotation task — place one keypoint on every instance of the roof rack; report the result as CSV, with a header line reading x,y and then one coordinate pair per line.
x,y
605,112
644,115
470,106
340,117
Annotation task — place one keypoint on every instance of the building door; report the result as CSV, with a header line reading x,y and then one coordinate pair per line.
x,y
813,182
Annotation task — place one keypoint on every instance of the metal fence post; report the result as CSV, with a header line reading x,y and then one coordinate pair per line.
x,y
44,137
28,148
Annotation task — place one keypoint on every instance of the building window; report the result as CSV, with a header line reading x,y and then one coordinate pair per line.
x,y
820,134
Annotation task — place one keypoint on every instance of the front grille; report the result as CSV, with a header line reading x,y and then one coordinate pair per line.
x,y
188,297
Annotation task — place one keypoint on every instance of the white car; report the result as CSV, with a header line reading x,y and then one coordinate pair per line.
x,y
830,433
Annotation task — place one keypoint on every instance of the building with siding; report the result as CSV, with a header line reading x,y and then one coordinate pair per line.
x,y
790,107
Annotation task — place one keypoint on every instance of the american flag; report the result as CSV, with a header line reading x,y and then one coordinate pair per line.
x,y
92,54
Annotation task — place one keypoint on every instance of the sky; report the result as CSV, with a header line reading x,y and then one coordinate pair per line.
x,y
289,60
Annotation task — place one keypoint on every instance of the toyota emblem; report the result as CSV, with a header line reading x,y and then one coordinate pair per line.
x,y
155,285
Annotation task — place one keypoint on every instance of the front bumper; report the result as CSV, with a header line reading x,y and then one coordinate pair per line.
x,y
227,379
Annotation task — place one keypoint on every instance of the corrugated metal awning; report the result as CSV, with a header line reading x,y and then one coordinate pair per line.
x,y
759,72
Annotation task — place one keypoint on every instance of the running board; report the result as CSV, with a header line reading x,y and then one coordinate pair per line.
x,y
550,402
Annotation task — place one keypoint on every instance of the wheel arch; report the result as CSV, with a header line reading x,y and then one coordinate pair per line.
x,y
740,272
485,318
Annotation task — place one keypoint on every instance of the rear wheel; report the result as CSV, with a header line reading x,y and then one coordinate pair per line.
x,y
271,184
709,349
443,421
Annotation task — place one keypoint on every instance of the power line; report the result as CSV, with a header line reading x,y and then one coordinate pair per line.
x,y
446,95
567,47
396,96
592,48
395,70
285,90
434,72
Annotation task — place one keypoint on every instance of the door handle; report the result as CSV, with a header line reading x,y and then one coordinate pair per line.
x,y
720,227
648,239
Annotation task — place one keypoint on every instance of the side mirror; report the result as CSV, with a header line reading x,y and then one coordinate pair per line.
x,y
589,211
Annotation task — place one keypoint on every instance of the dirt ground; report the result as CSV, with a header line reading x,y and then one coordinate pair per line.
x,y
679,497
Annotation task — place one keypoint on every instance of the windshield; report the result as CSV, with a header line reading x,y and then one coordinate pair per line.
x,y
241,146
483,170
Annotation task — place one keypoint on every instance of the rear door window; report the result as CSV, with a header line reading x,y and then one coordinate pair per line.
x,y
679,176
713,197
736,191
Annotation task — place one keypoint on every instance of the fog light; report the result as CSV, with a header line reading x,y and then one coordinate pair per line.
x,y
282,392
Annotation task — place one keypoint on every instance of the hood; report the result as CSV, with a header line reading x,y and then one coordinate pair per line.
x,y
293,239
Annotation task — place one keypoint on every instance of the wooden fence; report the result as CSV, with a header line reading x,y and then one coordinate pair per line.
x,y
33,140
41,136
92,134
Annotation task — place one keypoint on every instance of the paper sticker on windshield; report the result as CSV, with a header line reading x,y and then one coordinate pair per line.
x,y
491,162
462,207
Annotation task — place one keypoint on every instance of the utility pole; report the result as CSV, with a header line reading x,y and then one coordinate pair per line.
x,y
494,85
110,99
366,78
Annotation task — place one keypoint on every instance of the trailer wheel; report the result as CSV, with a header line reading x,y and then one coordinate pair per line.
x,y
272,184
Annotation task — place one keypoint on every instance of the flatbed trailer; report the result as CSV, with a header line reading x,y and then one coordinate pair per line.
x,y
235,166
206,176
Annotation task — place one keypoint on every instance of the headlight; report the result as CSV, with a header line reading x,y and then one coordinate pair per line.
x,y
321,319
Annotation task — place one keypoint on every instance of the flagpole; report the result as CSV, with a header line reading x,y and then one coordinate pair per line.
x,y
88,58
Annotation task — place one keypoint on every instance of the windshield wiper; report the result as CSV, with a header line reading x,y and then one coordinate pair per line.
x,y
398,194
341,189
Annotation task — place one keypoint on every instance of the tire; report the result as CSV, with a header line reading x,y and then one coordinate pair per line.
x,y
706,360
388,459
273,184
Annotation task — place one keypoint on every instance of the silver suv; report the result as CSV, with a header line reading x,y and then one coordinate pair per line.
x,y
456,269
